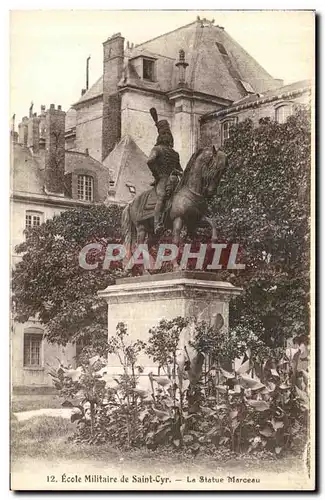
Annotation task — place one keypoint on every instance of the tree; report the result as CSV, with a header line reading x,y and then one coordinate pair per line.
x,y
263,203
49,282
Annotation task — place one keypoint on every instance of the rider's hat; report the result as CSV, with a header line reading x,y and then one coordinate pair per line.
x,y
162,126
164,133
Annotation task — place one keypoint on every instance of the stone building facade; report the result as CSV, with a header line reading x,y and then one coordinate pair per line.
x,y
185,74
45,180
277,105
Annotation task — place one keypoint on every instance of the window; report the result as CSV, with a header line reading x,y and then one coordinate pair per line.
x,y
282,113
85,188
228,62
148,69
131,188
247,86
33,349
221,48
225,128
33,219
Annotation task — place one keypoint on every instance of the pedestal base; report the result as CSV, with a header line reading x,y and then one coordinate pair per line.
x,y
141,302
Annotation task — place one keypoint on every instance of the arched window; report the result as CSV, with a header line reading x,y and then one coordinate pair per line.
x,y
85,188
33,338
225,127
283,112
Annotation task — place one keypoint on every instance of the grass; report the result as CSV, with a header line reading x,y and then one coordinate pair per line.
x,y
46,439
26,402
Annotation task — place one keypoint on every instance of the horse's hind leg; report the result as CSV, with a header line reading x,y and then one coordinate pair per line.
x,y
142,231
206,220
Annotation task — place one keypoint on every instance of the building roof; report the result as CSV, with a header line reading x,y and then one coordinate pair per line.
x,y
95,90
218,65
70,119
128,169
285,92
27,174
77,160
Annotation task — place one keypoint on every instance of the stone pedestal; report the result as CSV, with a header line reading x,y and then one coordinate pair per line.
x,y
141,302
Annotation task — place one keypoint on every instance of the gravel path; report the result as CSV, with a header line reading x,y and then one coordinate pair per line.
x,y
45,412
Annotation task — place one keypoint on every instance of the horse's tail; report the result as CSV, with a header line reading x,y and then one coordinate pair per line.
x,y
128,228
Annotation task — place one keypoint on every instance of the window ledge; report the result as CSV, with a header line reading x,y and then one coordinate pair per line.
x,y
34,368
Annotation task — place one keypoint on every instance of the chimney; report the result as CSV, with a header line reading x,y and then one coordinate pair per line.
x,y
54,150
112,73
42,127
13,133
87,73
33,133
23,131
181,65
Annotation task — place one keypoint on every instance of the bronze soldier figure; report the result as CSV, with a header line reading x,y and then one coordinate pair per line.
x,y
165,167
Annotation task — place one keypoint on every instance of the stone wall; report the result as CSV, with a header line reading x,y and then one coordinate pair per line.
x,y
89,128
18,213
113,60
182,114
136,119
186,126
36,376
54,150
210,129
21,376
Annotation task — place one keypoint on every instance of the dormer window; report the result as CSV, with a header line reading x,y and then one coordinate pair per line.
x,y
148,69
131,188
247,86
85,188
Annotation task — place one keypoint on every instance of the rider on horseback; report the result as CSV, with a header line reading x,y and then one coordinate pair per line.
x,y
165,167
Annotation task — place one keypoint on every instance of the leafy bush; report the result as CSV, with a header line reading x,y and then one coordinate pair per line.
x,y
263,204
239,395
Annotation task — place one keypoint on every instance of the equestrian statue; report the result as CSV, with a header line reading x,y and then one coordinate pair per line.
x,y
176,199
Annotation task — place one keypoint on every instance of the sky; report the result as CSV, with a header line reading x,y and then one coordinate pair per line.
x,y
49,48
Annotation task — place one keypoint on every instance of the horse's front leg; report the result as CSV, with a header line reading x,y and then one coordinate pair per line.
x,y
211,223
141,234
177,228
141,238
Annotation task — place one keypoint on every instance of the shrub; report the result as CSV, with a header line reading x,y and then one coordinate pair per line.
x,y
243,396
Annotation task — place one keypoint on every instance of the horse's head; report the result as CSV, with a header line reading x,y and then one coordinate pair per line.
x,y
204,170
214,162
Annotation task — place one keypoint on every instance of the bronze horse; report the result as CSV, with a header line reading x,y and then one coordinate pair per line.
x,y
188,204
